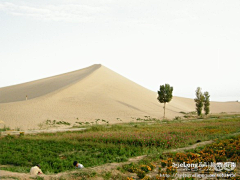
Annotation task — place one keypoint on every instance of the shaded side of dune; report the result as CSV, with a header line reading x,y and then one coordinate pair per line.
x,y
43,86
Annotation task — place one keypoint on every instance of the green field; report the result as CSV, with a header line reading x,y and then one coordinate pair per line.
x,y
102,144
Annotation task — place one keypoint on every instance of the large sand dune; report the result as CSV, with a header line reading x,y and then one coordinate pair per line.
x,y
92,93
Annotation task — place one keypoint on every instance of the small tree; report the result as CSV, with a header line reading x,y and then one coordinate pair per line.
x,y
206,102
199,101
165,95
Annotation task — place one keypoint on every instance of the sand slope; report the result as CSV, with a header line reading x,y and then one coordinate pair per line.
x,y
92,93
43,86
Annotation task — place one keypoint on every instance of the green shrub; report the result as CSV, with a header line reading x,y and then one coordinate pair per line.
x,y
141,174
177,118
132,167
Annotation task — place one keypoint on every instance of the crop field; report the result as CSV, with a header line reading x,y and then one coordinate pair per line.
x,y
224,150
101,144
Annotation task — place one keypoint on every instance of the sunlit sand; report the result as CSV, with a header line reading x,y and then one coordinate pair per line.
x,y
91,93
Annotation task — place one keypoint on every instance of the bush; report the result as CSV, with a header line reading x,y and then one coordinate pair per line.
x,y
145,168
140,173
130,167
177,118
163,163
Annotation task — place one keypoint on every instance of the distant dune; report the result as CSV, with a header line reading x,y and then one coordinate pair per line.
x,y
91,93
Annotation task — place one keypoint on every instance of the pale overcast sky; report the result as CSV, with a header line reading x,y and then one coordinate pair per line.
x,y
186,43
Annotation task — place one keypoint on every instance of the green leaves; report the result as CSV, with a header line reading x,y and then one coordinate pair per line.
x,y
165,93
202,99
206,102
199,100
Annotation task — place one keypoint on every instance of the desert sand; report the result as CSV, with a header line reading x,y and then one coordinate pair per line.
x,y
95,92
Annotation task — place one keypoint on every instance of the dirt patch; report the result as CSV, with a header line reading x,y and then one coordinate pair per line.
x,y
4,133
189,147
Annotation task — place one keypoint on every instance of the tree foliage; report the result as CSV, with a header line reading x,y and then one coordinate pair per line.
x,y
199,100
206,103
165,95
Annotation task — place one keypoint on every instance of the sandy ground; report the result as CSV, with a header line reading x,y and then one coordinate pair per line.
x,y
4,133
92,93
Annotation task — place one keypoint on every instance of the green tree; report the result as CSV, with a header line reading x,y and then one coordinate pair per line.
x,y
165,95
206,103
199,100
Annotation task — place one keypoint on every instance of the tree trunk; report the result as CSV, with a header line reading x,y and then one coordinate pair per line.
x,y
164,110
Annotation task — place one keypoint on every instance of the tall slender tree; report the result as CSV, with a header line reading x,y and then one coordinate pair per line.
x,y
165,95
199,100
206,103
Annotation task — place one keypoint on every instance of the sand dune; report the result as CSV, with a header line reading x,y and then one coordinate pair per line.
x,y
91,93
43,86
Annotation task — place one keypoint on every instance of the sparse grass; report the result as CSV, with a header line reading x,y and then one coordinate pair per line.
x,y
177,118
52,123
37,178
106,175
84,174
182,112
5,128
16,169
88,124
9,177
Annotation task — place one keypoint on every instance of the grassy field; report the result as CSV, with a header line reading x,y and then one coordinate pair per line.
x,y
102,144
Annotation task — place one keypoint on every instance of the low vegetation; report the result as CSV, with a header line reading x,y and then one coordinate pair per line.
x,y
5,128
224,150
101,144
